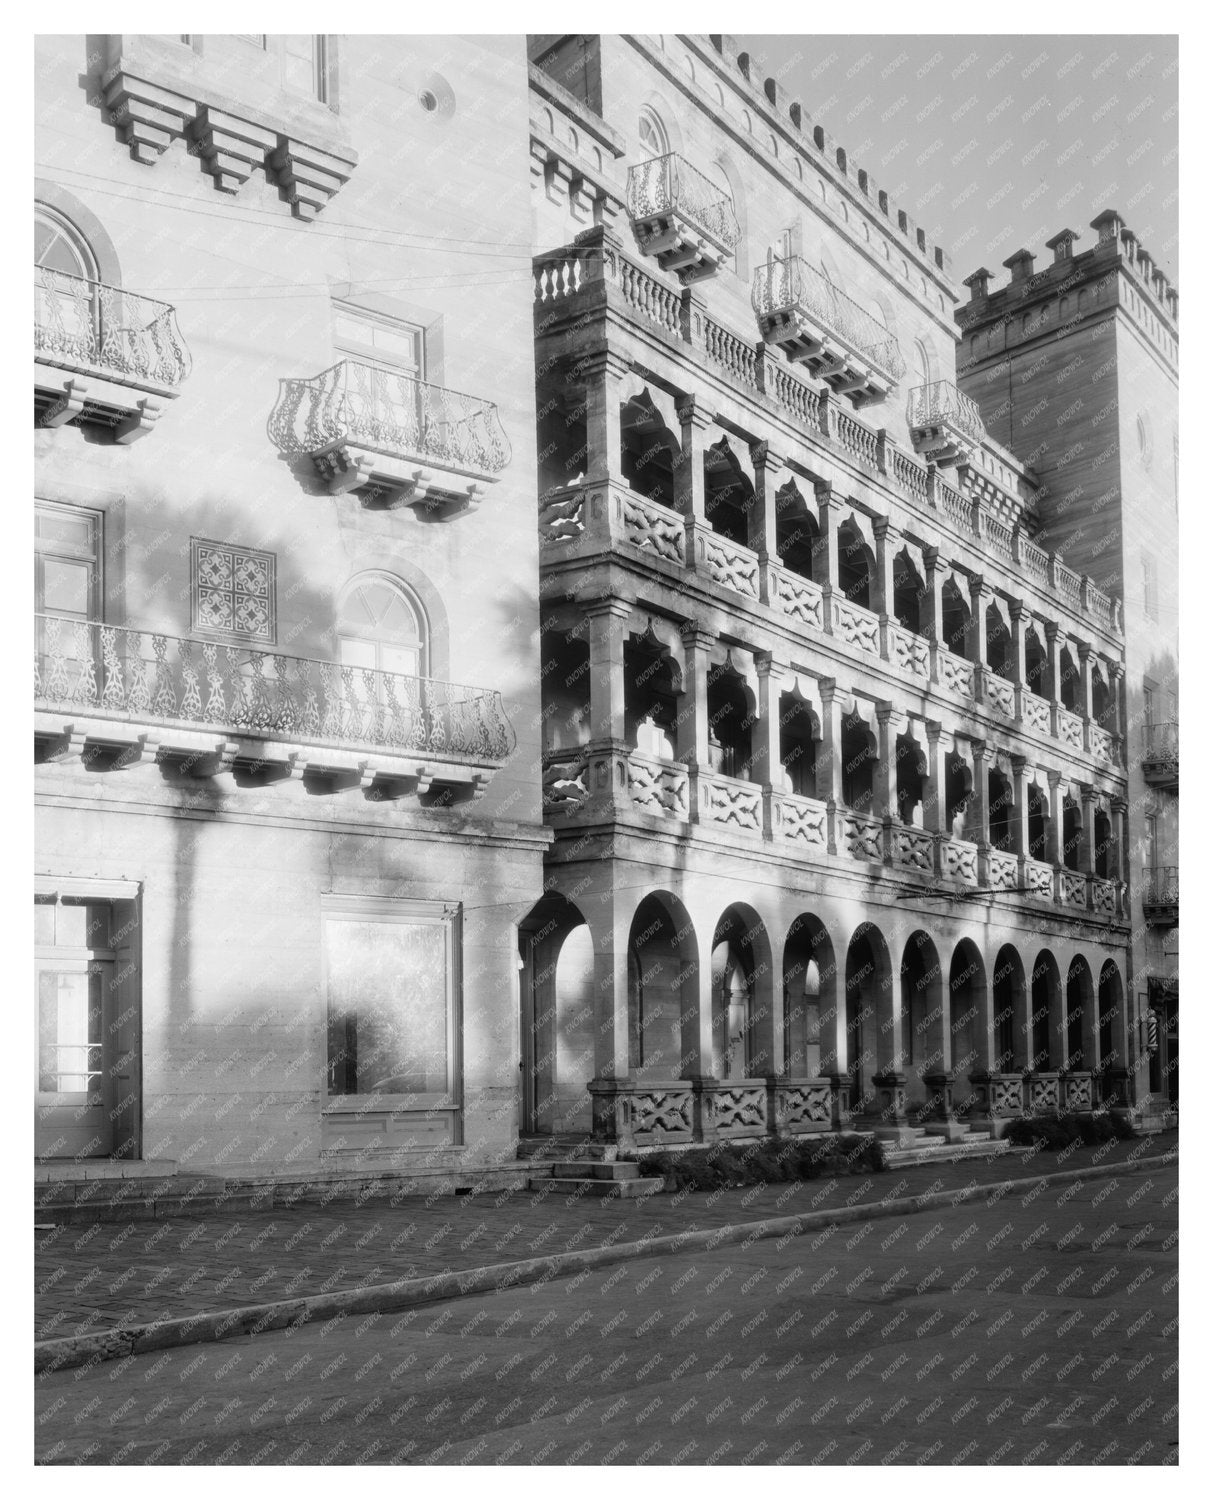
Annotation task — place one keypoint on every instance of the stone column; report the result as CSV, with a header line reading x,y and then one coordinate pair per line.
x,y
1057,824
1086,850
975,645
934,802
831,753
888,539
607,629
1019,652
825,563
764,760
889,722
933,564
1021,769
1085,665
603,373
1116,865
609,925
690,485
1053,644
691,745
763,535
977,811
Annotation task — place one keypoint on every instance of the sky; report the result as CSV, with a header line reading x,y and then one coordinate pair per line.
x,y
993,143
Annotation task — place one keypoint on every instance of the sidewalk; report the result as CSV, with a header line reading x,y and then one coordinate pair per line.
x,y
108,1275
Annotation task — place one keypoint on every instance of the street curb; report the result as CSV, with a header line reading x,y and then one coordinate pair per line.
x,y
172,1333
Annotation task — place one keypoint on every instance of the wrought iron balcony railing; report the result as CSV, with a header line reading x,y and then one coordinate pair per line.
x,y
146,677
1160,888
940,404
670,185
792,286
391,413
106,330
1160,758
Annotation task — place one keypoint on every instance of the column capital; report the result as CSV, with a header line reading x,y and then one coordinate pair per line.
x,y
1020,765
884,530
693,411
1116,671
829,690
1088,794
1052,631
695,635
887,711
607,604
826,496
1119,806
980,749
1085,651
1018,610
765,663
935,732
978,587
1055,779
603,361
762,456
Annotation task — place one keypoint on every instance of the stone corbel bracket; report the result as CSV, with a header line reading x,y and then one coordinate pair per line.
x,y
230,147
346,467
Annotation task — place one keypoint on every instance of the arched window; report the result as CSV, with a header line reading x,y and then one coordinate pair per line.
x,y
653,138
66,309
381,626
923,360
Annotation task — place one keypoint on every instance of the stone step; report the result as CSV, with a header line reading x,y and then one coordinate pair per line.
x,y
950,1151
599,1187
615,1171
564,1148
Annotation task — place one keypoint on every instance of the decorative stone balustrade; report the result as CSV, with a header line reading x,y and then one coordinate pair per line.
x,y
1072,888
641,1114
363,425
909,653
562,515
681,217
565,786
798,598
803,1108
1069,729
1035,713
855,437
1038,879
912,848
103,355
651,298
958,861
854,625
1002,871
1077,1092
818,325
998,1096
1103,897
862,837
727,564
945,425
734,1111
801,821
217,706
659,787
735,356
724,800
998,693
1043,1093
1104,746
953,672
653,1113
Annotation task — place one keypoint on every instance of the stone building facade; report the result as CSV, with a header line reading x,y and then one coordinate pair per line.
x,y
834,726
1075,366
287,694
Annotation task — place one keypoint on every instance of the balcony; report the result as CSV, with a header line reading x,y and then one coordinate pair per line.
x,y
395,438
1160,756
680,217
817,325
1160,894
945,426
116,697
103,356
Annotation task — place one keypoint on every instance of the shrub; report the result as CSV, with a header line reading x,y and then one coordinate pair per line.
x,y
724,1165
1055,1134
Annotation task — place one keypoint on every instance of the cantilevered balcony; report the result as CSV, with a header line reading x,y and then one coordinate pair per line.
x,y
1160,894
364,427
680,217
816,325
1160,755
114,697
945,426
102,355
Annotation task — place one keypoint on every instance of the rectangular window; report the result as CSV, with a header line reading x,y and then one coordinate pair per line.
x,y
1149,586
392,980
376,339
232,592
67,561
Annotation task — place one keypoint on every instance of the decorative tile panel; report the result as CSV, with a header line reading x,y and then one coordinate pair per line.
x,y
232,592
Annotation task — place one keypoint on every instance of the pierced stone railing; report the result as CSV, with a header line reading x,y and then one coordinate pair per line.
x,y
649,525
803,1106
670,185
1033,560
1038,879
798,598
855,438
909,474
728,564
725,800
1072,888
650,297
999,694
564,780
954,672
913,848
391,413
802,821
940,404
643,1114
998,1096
955,507
1035,711
659,787
1043,1092
909,653
1077,1091
798,399
734,355
1103,745
958,860
862,837
794,288
1069,728
998,535
1002,870
147,677
733,1110
855,625
1069,584
123,336
562,515
1103,897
